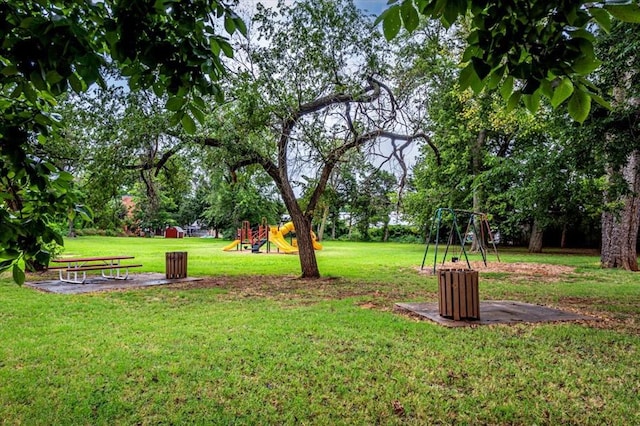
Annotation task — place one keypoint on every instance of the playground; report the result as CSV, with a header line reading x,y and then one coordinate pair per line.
x,y
272,237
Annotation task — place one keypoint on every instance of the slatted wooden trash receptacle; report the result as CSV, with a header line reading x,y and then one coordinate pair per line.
x,y
176,264
458,294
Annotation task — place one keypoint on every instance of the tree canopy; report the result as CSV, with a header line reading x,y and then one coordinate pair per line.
x,y
49,48
526,48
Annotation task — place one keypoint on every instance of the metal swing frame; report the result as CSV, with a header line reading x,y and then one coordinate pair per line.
x,y
454,231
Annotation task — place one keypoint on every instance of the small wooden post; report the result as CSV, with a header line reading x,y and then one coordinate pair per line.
x,y
458,294
176,264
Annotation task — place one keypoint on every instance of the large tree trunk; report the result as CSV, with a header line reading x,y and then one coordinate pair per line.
x,y
620,229
535,242
302,223
308,263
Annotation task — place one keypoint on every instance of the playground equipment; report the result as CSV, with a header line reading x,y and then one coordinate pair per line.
x,y
477,228
266,235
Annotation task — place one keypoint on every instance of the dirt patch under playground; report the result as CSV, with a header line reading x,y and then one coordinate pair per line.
x,y
522,268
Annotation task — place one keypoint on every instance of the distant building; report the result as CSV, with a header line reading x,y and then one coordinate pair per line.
x,y
174,232
129,205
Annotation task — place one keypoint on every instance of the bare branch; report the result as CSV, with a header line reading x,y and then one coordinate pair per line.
x,y
337,154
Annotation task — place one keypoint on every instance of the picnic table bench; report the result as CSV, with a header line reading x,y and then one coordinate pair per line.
x,y
109,267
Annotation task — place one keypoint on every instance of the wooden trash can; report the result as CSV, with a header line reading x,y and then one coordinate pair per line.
x,y
176,264
458,294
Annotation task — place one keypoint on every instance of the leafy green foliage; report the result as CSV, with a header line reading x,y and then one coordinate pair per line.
x,y
540,44
56,47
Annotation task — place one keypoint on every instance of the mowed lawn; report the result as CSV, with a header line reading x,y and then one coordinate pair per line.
x,y
251,344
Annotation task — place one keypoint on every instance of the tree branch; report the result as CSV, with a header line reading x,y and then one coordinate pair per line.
x,y
336,155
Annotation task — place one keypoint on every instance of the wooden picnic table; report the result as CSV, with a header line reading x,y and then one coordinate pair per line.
x,y
74,265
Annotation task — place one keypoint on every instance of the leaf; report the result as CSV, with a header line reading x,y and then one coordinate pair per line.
x,y
546,89
507,88
10,70
481,67
391,23
215,46
579,105
65,176
229,25
240,25
188,124
84,211
53,77
513,101
18,274
199,102
602,17
470,52
158,89
226,48
562,92
466,75
37,81
17,91
532,102
76,83
495,78
452,10
30,94
585,65
600,100
175,103
197,113
175,118
409,15
626,13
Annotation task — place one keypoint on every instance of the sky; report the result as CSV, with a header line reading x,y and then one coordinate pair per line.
x,y
374,7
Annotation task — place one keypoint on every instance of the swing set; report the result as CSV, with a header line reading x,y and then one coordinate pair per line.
x,y
478,230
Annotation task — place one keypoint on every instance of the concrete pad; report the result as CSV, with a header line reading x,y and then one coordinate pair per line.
x,y
94,284
497,312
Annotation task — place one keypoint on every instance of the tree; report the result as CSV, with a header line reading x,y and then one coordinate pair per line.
x,y
51,48
304,101
249,196
124,144
617,133
528,48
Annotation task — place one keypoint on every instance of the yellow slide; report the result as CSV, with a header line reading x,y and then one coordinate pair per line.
x,y
276,237
231,246
279,240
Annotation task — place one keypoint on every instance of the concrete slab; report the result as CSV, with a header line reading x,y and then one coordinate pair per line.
x,y
94,284
497,312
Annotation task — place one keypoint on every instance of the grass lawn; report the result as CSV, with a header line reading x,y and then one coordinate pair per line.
x,y
252,344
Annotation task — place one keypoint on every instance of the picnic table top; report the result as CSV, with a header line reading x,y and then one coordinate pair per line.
x,y
90,259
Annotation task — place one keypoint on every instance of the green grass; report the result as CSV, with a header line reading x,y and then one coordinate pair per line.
x,y
253,345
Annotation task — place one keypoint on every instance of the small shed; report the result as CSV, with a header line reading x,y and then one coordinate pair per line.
x,y
174,232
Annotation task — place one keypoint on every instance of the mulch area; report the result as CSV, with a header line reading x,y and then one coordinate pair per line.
x,y
537,269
